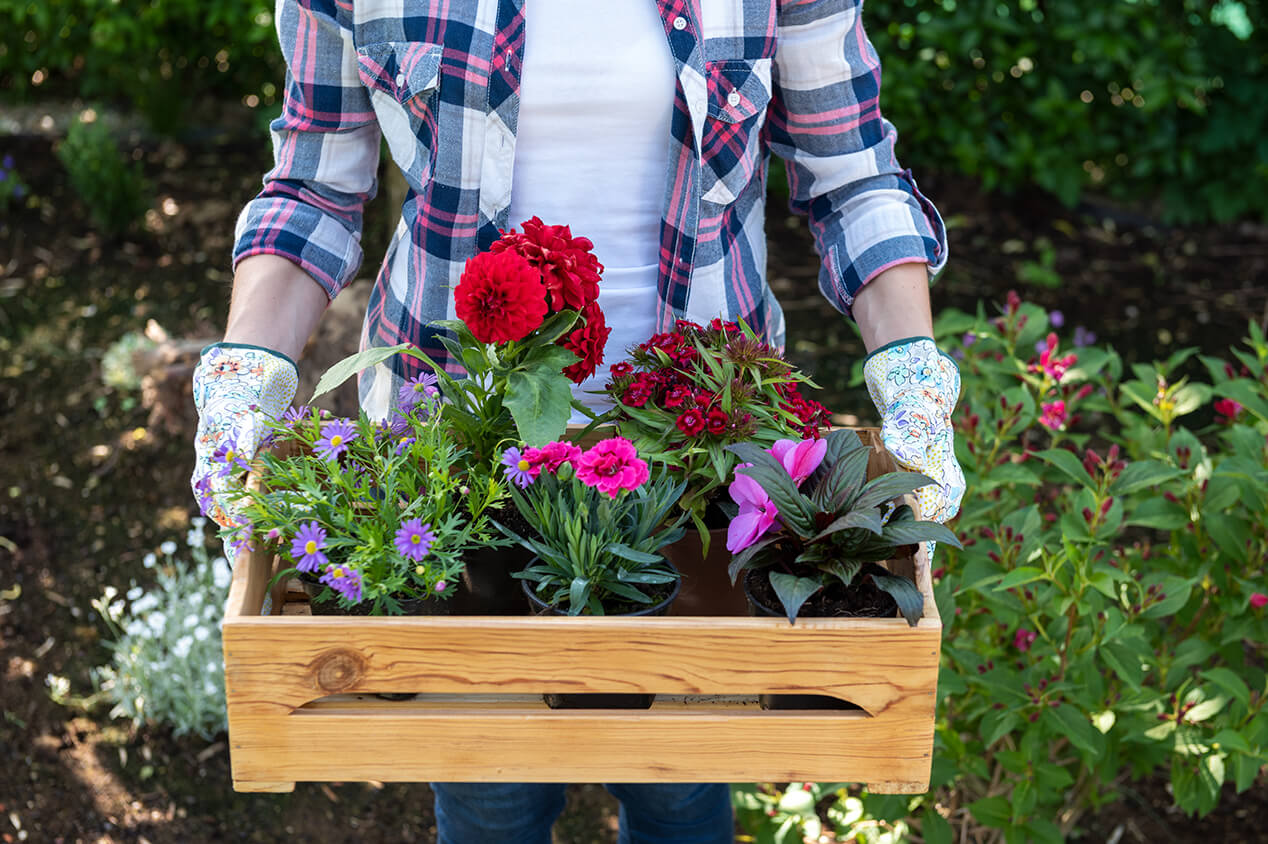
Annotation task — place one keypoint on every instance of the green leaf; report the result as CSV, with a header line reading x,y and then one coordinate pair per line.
x,y
934,828
1020,576
1159,513
869,520
625,552
888,487
1229,681
1142,474
1075,726
1205,709
793,591
1125,662
351,365
845,571
1068,464
578,593
910,602
913,532
540,403
992,811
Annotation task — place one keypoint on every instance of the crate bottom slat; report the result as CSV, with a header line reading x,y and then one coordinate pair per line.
x,y
518,741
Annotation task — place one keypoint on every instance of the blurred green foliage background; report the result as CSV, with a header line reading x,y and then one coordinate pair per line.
x,y
1157,102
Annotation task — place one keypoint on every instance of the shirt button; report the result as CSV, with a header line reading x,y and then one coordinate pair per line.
x,y
733,98
680,22
400,80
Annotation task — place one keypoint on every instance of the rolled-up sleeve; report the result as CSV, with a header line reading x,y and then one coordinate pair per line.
x,y
326,153
825,121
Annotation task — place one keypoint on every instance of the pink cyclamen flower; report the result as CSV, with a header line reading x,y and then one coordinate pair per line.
x,y
799,457
611,465
1053,415
1024,639
1258,600
757,513
550,457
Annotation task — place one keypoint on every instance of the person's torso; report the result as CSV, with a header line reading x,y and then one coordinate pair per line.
x,y
448,82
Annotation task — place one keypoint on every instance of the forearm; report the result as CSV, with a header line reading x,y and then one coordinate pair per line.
x,y
275,304
895,305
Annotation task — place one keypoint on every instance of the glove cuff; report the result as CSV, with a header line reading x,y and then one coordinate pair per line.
x,y
231,346
912,365
233,376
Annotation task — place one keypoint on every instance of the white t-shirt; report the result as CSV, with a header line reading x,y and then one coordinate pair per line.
x,y
592,149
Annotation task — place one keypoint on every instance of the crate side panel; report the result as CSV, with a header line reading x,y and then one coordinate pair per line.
x,y
288,661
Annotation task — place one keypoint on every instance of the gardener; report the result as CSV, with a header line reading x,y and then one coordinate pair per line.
x,y
647,125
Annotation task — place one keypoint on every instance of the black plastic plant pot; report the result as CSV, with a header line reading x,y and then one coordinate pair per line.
x,y
790,701
600,700
487,585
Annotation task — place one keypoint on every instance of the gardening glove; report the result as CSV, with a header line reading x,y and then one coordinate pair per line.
x,y
236,389
915,388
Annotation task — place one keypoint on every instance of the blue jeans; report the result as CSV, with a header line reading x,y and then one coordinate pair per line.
x,y
522,813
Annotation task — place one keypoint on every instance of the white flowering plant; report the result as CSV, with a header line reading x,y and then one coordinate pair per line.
x,y
166,665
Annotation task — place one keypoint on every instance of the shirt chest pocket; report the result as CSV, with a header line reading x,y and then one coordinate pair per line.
x,y
402,78
739,92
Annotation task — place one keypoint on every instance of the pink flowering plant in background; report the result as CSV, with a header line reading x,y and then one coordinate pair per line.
x,y
600,517
376,512
1107,615
805,514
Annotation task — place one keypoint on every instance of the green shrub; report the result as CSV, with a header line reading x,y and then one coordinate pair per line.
x,y
166,666
1107,617
160,57
113,188
1138,100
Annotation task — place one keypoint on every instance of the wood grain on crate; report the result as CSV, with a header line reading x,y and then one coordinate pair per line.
x,y
297,689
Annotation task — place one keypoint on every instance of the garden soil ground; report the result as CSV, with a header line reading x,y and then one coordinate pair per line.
x,y
91,479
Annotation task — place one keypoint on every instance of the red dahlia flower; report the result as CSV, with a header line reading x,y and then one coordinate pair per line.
x,y
568,268
586,341
500,297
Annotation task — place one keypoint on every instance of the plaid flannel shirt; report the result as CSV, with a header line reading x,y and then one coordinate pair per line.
x,y
439,81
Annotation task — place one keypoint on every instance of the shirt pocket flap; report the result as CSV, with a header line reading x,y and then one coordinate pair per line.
x,y
403,69
738,88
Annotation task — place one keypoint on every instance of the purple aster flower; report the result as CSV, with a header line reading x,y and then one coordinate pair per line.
x,y
229,454
295,416
306,547
3,175
403,444
441,586
968,339
19,191
517,467
345,581
1083,337
414,539
415,391
1056,319
8,162
335,442
401,424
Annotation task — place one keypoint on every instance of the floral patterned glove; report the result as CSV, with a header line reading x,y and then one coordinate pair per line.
x,y
235,388
915,388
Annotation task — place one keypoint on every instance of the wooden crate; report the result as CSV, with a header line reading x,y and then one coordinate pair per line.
x,y
301,707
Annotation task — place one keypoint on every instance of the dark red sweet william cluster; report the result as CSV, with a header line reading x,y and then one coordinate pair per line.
x,y
669,374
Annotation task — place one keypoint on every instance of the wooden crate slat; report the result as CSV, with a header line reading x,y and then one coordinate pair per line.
x,y
534,744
